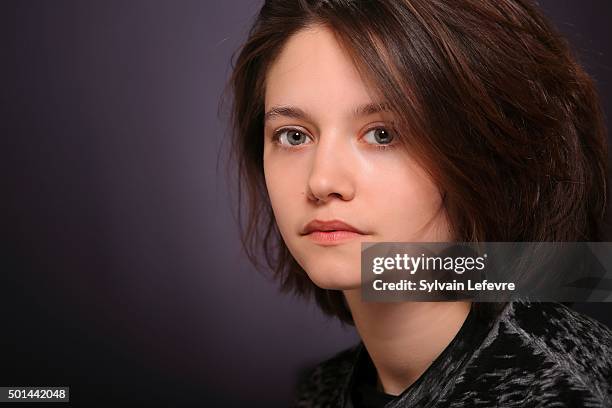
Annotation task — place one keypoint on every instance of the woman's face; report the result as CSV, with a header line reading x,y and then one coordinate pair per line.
x,y
328,157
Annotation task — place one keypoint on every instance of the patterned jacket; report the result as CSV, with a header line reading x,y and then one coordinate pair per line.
x,y
531,355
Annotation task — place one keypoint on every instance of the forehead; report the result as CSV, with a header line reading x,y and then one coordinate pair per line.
x,y
314,72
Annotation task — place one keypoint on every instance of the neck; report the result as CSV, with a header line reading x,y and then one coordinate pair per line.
x,y
403,339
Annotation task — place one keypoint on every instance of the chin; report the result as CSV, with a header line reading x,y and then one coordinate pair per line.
x,y
335,278
331,268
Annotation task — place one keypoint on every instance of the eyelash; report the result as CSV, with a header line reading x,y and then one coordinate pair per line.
x,y
277,133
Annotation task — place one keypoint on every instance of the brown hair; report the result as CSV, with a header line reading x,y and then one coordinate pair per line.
x,y
489,97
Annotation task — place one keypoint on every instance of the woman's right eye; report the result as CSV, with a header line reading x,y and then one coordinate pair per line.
x,y
290,137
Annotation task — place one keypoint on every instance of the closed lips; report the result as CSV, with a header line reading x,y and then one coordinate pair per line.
x,y
328,226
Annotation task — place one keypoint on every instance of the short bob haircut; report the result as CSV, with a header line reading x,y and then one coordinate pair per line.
x,y
487,95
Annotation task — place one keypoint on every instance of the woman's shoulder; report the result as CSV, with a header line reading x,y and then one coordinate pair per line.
x,y
560,330
324,384
539,352
557,347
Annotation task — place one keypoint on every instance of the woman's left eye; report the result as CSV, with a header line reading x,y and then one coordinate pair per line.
x,y
378,136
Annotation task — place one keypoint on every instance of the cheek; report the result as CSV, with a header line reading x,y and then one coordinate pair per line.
x,y
408,205
284,190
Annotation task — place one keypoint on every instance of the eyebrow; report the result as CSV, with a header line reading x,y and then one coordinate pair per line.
x,y
297,113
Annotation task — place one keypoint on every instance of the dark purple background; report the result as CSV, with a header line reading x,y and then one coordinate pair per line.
x,y
123,276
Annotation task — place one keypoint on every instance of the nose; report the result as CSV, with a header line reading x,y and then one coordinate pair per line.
x,y
332,172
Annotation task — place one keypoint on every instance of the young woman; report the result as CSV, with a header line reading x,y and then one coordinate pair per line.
x,y
423,121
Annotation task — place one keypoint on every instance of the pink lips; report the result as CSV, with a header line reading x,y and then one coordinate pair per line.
x,y
330,232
